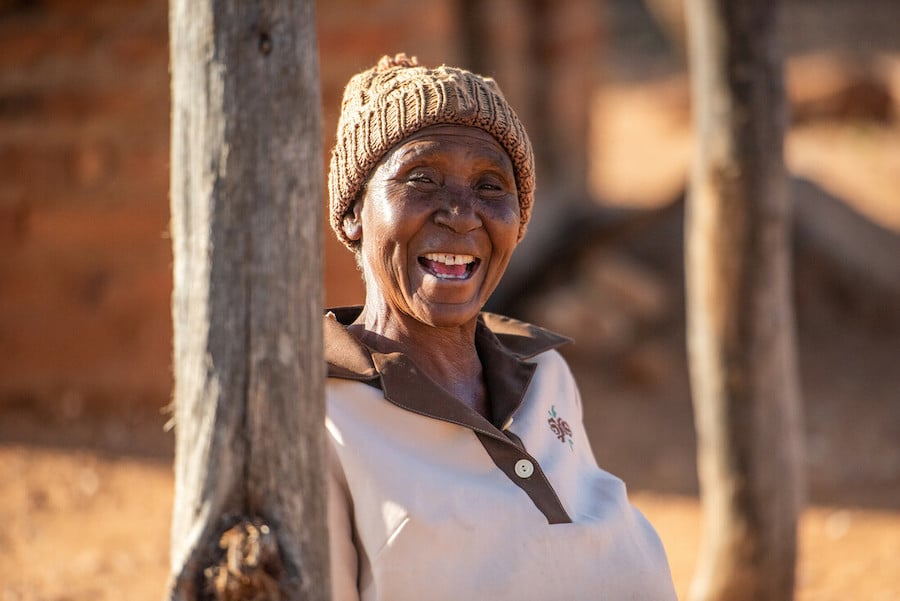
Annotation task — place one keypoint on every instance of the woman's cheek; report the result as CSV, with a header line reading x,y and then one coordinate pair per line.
x,y
507,215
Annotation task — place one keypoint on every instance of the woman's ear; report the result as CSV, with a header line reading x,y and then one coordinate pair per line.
x,y
352,223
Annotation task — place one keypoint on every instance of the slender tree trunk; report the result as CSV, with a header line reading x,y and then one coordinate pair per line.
x,y
249,514
740,318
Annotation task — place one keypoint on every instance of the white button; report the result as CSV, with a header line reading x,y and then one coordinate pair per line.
x,y
524,468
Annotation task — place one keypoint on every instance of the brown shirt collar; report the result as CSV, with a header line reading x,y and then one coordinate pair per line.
x,y
503,344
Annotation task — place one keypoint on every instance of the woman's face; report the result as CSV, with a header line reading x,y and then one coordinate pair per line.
x,y
438,222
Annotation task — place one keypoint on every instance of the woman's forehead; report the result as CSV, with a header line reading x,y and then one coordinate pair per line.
x,y
437,138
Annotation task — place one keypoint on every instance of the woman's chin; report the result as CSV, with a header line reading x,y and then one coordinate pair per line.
x,y
448,302
446,315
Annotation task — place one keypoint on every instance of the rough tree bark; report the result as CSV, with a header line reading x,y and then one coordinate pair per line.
x,y
246,186
740,318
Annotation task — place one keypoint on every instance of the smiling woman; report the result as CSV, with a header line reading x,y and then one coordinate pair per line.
x,y
459,466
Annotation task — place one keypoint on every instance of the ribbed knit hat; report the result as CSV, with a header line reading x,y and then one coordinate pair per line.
x,y
386,104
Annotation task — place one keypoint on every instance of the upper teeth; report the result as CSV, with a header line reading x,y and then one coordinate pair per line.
x,y
447,259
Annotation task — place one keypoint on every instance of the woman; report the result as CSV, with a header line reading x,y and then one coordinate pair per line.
x,y
459,466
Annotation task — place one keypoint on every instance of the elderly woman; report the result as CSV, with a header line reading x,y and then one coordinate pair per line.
x,y
459,465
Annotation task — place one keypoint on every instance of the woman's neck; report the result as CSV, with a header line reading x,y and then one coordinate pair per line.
x,y
447,355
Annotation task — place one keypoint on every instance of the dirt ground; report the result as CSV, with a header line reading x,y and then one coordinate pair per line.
x,y
86,493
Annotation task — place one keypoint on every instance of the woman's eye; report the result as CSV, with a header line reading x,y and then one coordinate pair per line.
x,y
422,180
423,175
490,187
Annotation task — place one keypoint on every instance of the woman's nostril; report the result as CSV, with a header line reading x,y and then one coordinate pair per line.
x,y
459,218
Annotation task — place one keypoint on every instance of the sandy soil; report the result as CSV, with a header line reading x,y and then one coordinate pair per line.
x,y
86,525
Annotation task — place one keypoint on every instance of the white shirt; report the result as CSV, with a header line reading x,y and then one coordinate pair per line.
x,y
428,500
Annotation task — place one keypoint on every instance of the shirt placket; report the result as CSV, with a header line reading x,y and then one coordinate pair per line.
x,y
404,385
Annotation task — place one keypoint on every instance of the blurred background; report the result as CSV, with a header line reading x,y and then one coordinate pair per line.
x,y
85,263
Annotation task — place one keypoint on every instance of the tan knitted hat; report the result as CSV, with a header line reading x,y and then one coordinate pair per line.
x,y
391,101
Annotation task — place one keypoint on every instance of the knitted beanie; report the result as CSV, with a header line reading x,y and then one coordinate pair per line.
x,y
391,101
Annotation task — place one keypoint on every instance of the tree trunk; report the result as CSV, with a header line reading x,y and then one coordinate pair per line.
x,y
246,189
740,318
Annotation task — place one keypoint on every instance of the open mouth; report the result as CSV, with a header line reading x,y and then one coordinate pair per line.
x,y
446,266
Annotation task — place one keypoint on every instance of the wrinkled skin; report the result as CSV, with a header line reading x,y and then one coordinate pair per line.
x,y
437,224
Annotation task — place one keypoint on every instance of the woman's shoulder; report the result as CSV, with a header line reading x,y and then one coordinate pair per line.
x,y
345,357
529,343
522,339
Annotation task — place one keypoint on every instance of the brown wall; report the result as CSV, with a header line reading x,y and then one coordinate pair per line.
x,y
85,257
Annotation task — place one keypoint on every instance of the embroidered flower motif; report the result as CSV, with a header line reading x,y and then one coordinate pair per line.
x,y
560,428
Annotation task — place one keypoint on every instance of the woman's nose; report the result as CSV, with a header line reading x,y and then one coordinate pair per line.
x,y
459,213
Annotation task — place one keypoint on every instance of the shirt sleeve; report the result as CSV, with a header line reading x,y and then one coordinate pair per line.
x,y
343,554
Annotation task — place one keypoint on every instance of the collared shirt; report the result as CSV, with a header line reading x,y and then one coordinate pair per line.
x,y
430,500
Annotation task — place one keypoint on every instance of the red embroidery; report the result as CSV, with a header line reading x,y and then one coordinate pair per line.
x,y
560,427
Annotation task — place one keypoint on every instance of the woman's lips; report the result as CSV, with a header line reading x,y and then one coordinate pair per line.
x,y
449,266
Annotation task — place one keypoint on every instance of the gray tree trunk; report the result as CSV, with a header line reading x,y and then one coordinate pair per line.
x,y
740,317
246,190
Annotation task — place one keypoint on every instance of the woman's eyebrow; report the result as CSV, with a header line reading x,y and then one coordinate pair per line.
x,y
495,160
500,159
416,149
